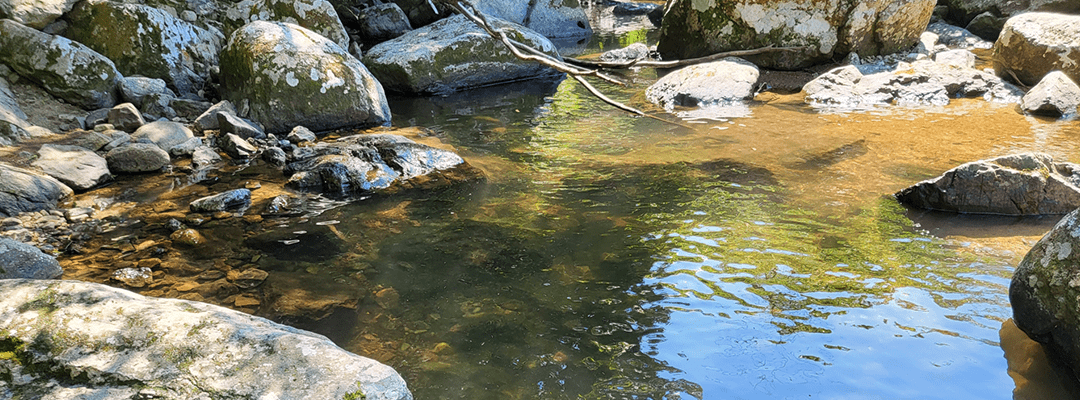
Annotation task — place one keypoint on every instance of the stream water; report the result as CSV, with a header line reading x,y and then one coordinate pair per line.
x,y
758,255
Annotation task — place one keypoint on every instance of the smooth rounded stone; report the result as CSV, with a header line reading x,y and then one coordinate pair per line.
x,y
23,190
11,133
36,14
144,40
301,134
187,148
119,138
126,117
715,83
318,16
164,134
1045,292
134,89
233,200
187,237
20,260
629,8
243,128
382,22
136,158
236,147
158,105
92,141
693,28
634,51
75,166
182,349
78,214
1031,45
204,157
454,54
1021,184
1055,95
66,69
957,37
552,18
208,120
958,57
308,80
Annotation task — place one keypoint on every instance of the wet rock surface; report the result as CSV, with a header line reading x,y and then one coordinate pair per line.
x,y
1022,184
235,354
715,83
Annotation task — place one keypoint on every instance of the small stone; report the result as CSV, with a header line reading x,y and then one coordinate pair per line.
x,y
246,301
187,237
211,275
301,134
149,263
134,277
248,278
387,298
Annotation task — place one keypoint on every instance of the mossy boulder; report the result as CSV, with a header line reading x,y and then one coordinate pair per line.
x,y
1031,45
289,75
316,15
147,41
1045,292
34,13
64,68
828,28
61,337
454,54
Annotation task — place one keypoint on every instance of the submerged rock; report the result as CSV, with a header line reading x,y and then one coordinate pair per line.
x,y
1022,184
1031,45
233,200
1045,292
715,83
23,190
1055,95
454,54
307,80
20,260
128,346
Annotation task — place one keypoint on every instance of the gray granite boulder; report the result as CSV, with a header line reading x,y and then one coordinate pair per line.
x,y
208,120
551,18
126,346
22,261
986,17
138,89
701,85
232,200
75,166
1055,95
64,68
164,134
308,80
9,107
236,147
23,190
136,158
1021,184
204,157
35,13
382,22
1031,45
1045,292
956,37
454,54
147,41
126,117
318,16
243,128
694,28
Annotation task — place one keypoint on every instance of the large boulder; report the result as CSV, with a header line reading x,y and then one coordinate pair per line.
x,y
695,28
1032,45
136,158
22,261
35,13
123,345
147,41
1045,292
1021,184
551,18
1055,95
366,163
987,16
23,190
454,54
701,85
164,134
316,15
12,118
75,166
64,68
289,76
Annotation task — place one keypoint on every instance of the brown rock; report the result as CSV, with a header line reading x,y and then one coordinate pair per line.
x,y
248,278
187,237
246,301
387,298
220,288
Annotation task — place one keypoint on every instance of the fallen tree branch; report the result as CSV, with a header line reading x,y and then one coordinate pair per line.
x,y
642,62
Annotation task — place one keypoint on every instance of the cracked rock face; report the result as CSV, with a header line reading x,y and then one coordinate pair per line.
x,y
696,28
1022,184
1031,45
113,344
1045,291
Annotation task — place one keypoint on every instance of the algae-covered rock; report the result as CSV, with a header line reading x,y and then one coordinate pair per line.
x,y
316,15
292,76
454,54
64,68
1045,292
696,28
1031,45
147,41
122,346
23,190
35,13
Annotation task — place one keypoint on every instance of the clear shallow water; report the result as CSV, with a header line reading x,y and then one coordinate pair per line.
x,y
719,258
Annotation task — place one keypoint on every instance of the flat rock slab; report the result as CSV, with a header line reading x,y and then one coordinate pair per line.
x,y
128,346
75,166
1022,184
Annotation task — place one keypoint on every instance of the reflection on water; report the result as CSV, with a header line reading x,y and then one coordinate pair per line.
x,y
721,258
